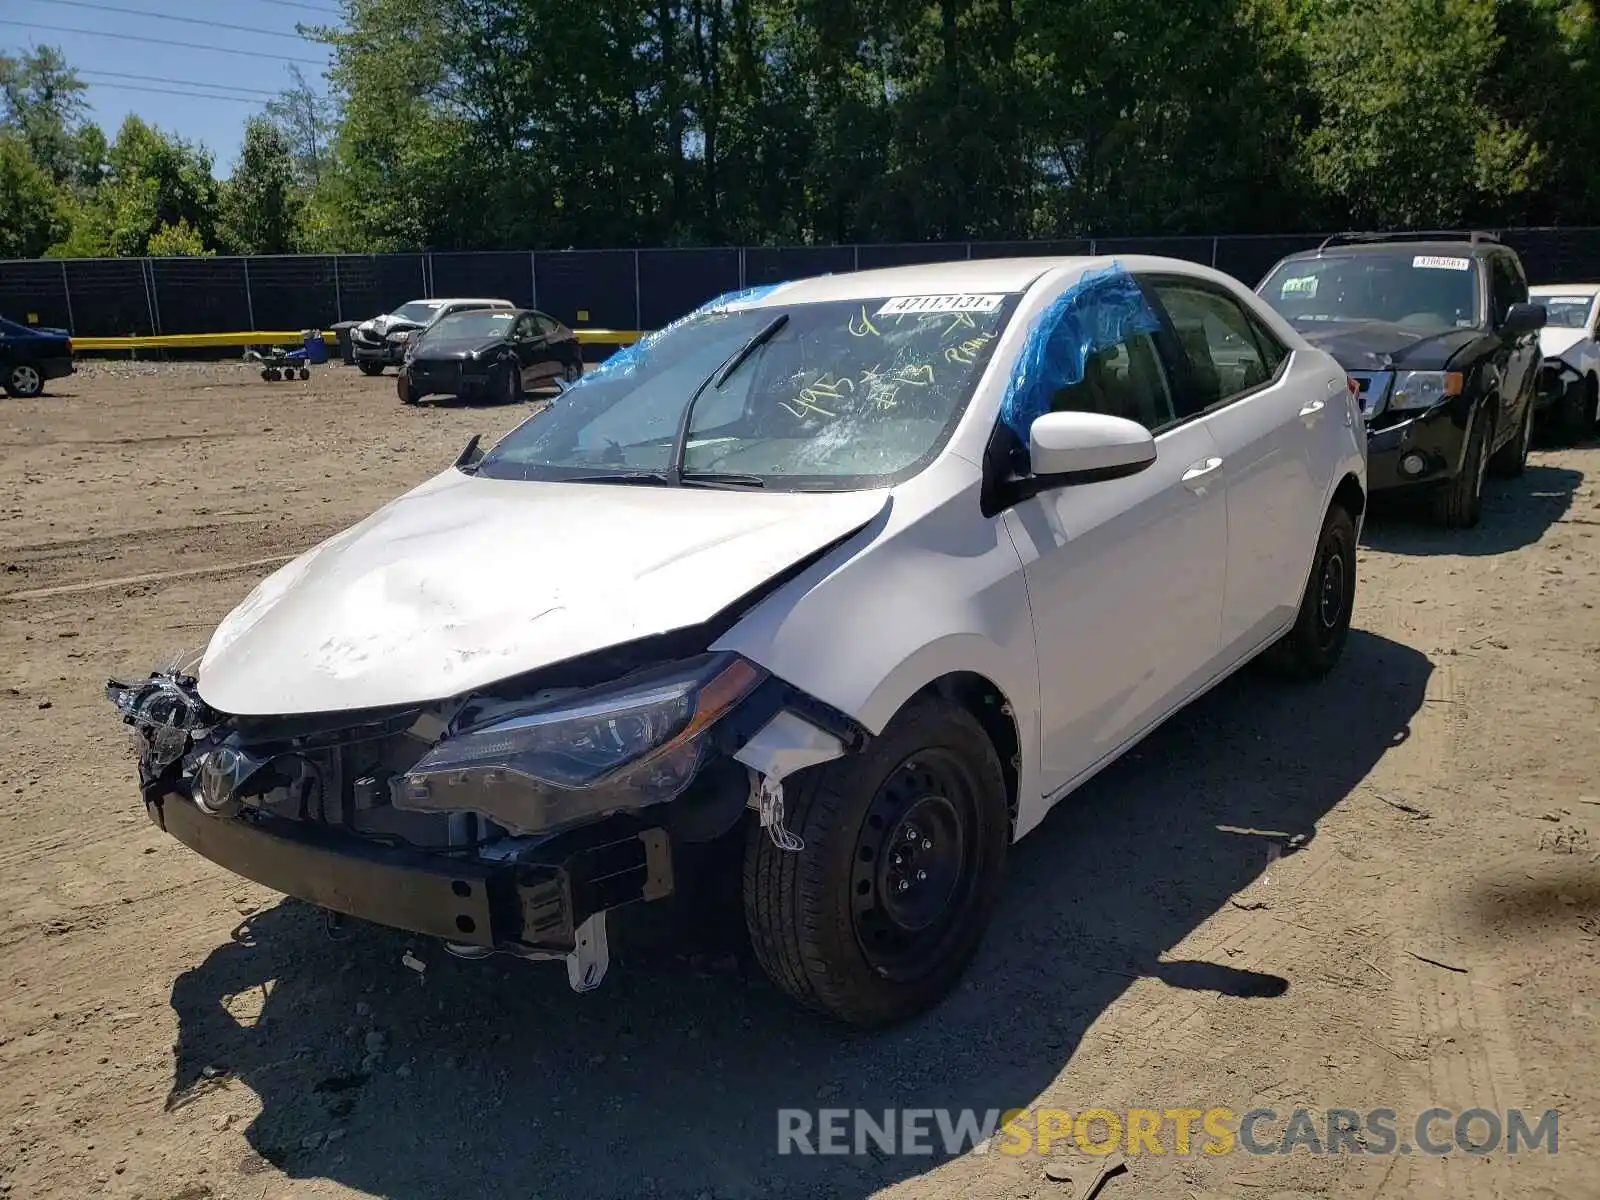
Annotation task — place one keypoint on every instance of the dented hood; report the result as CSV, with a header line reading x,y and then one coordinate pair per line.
x,y
466,581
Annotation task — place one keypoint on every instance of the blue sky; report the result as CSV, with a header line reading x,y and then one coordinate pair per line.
x,y
215,92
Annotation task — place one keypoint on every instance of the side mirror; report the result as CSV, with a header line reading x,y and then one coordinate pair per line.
x,y
1523,318
1079,447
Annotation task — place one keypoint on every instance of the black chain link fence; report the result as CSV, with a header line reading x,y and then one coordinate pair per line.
x,y
609,289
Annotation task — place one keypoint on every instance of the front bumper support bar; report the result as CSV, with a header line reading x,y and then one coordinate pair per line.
x,y
539,906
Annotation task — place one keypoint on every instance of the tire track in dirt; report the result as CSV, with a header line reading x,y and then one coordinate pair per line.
x,y
1452,1020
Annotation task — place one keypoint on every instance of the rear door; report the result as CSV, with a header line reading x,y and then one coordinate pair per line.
x,y
1274,428
1124,576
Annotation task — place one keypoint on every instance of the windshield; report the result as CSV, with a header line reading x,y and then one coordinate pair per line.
x,y
420,311
845,394
1564,312
478,324
1427,292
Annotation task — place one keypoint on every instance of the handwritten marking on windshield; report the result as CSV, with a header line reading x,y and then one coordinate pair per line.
x,y
862,325
825,387
967,352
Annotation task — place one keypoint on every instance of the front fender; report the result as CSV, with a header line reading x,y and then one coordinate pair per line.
x,y
931,588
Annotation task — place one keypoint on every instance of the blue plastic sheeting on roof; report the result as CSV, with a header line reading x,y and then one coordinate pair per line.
x,y
626,361
1103,308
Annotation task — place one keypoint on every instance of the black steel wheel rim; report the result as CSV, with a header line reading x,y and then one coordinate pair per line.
x,y
1333,590
915,865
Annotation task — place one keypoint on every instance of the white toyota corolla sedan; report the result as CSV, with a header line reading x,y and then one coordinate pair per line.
x,y
844,582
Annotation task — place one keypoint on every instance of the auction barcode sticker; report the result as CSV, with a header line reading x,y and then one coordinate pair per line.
x,y
898,306
1435,263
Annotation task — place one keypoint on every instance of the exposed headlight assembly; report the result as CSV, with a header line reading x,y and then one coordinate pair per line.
x,y
605,750
1423,389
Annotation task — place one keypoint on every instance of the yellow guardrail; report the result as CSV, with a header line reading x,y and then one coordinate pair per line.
x,y
204,341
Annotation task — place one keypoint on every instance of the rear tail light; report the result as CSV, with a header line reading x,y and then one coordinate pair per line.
x,y
1355,388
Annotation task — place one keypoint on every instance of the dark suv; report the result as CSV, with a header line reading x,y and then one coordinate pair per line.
x,y
1444,349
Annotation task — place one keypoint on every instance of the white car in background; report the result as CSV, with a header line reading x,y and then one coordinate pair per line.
x,y
382,341
1569,381
837,585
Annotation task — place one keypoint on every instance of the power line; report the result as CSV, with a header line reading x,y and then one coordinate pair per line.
x,y
131,37
316,8
190,83
146,13
134,87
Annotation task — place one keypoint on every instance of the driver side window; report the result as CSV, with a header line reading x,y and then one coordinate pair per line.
x,y
1123,380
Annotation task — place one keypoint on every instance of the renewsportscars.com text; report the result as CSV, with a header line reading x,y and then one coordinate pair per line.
x,y
1179,1131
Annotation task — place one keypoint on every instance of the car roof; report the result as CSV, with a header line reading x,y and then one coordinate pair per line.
x,y
1400,248
1564,289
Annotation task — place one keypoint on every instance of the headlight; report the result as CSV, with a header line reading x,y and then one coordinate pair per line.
x,y
400,335
1424,389
601,751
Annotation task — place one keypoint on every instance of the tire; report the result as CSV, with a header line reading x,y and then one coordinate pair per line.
x,y
367,367
510,390
1312,648
1574,414
1512,459
305,372
840,925
403,389
24,381
1459,504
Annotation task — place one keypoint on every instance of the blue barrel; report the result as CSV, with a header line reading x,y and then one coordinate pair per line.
x,y
316,348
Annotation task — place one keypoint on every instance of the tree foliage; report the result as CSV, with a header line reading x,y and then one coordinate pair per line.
x,y
484,124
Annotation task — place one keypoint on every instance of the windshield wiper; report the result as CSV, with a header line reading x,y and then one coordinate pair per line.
x,y
657,478
680,444
721,479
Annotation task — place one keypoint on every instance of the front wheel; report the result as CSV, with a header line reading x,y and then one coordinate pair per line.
x,y
368,367
1315,644
1575,412
1459,504
1511,459
403,388
24,381
876,918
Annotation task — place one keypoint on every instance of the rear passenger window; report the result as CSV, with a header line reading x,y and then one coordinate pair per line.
x,y
1124,380
1223,346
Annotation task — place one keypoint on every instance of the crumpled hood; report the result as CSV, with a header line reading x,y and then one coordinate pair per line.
x,y
1378,345
1555,341
464,581
388,323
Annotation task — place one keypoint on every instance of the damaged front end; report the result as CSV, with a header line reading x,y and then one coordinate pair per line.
x,y
509,820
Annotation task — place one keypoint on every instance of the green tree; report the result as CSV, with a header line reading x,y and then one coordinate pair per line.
x,y
260,204
1405,134
42,99
178,240
308,120
30,215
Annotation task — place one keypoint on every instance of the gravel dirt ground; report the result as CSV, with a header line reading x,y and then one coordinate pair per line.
x,y
1380,891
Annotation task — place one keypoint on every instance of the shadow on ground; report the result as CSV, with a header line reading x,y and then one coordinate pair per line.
x,y
1516,513
493,1079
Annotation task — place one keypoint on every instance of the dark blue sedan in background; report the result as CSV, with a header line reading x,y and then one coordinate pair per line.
x,y
30,355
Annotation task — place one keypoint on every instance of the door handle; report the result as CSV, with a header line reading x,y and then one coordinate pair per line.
x,y
1312,409
1201,469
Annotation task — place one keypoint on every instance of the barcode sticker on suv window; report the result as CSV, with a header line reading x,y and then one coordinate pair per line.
x,y
1435,263
899,306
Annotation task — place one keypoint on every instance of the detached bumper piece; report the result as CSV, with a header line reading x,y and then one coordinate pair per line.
x,y
549,903
1556,375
